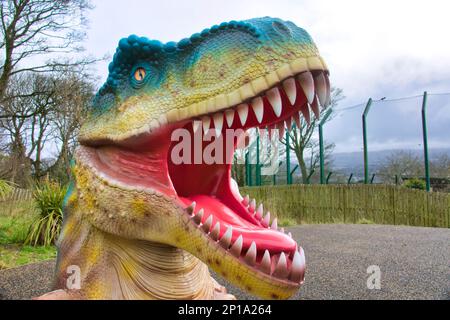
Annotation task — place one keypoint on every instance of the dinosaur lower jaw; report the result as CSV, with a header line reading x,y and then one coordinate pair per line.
x,y
156,163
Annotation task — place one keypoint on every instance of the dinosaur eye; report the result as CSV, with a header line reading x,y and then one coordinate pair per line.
x,y
139,74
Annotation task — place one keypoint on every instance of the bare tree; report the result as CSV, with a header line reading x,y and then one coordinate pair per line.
x,y
44,28
403,164
303,143
28,134
75,92
57,105
440,166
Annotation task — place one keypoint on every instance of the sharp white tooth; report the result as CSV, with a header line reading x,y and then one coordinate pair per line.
x,y
252,206
305,111
199,216
266,220
293,122
321,88
218,124
289,124
296,119
281,131
274,225
242,110
315,108
208,224
290,88
250,257
271,133
259,212
206,124
281,270
215,232
290,235
266,263
274,98
282,230
236,248
191,208
258,108
328,101
307,83
246,201
195,125
226,239
298,267
229,114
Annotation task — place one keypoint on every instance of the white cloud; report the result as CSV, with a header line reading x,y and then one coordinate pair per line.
x,y
373,48
362,41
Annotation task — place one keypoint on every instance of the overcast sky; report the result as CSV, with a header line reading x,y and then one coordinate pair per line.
x,y
373,48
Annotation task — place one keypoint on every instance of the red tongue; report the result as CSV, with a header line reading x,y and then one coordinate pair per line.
x,y
269,239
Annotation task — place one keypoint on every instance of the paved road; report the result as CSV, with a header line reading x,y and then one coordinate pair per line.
x,y
414,264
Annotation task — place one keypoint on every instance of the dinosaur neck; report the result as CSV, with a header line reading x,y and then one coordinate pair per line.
x,y
113,267
148,270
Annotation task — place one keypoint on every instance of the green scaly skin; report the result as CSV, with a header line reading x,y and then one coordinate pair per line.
x,y
133,241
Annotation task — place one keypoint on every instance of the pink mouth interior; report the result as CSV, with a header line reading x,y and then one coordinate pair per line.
x,y
146,162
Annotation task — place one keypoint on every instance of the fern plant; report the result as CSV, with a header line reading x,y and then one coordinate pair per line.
x,y
49,198
6,188
415,183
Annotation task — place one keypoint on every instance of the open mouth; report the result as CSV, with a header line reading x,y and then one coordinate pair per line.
x,y
237,225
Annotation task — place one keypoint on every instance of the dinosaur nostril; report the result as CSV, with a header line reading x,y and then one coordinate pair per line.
x,y
282,29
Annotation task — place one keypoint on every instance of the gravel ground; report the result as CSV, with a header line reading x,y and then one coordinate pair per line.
x,y
414,264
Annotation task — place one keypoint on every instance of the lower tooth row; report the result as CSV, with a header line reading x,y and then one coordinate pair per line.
x,y
258,214
281,270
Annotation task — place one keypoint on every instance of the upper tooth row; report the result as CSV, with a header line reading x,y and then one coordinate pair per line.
x,y
311,85
294,273
259,214
248,90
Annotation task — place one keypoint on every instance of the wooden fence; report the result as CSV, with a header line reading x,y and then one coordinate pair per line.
x,y
380,204
16,199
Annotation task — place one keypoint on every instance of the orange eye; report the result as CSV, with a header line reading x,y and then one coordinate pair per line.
x,y
139,74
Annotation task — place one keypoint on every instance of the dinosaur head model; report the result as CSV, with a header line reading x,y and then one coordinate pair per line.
x,y
141,224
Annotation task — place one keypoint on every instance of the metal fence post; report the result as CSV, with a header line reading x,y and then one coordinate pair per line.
x,y
308,180
328,177
288,159
366,154
258,167
321,150
349,181
292,173
425,140
247,170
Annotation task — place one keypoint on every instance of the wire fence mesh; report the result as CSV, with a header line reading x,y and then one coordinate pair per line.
x,y
395,145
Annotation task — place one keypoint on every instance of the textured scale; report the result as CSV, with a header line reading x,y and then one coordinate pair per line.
x,y
126,241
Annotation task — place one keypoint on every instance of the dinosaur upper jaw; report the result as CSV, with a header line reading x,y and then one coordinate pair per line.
x,y
149,163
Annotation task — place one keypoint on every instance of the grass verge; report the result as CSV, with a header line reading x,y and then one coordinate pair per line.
x,y
14,255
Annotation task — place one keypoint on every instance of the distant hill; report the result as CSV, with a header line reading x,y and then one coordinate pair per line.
x,y
347,163
353,162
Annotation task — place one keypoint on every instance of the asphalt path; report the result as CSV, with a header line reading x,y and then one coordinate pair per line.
x,y
413,263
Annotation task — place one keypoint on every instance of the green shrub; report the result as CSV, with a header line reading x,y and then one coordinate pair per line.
x,y
5,188
14,230
364,221
415,183
287,222
49,198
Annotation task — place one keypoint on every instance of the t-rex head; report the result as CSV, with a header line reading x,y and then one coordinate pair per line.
x,y
238,75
